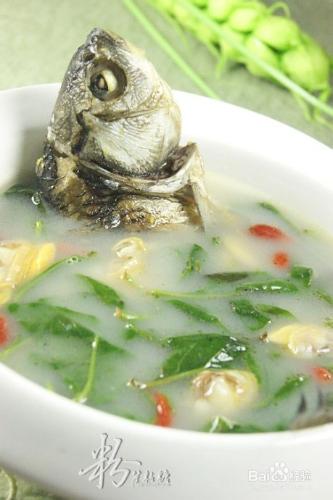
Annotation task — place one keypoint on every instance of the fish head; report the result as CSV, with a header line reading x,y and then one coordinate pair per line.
x,y
114,110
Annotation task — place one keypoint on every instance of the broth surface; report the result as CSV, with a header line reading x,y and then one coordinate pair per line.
x,y
102,328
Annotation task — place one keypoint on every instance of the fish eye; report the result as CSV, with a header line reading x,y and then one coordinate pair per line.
x,y
108,83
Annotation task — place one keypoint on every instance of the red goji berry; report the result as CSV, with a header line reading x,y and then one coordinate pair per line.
x,y
267,232
281,259
163,410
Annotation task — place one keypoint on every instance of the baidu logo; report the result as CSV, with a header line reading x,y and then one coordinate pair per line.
x,y
279,472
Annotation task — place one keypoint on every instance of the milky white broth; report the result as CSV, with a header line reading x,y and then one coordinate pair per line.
x,y
61,363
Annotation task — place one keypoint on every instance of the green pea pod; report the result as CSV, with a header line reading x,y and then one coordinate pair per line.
x,y
205,35
279,33
245,19
184,18
270,45
308,65
259,49
200,3
221,9
229,52
166,5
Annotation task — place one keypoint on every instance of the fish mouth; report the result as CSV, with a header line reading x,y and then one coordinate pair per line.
x,y
166,185
98,35
139,185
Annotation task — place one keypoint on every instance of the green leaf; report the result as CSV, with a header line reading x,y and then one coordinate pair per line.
x,y
57,364
203,350
252,365
221,425
103,292
328,322
291,385
40,317
106,347
27,192
274,310
272,286
20,189
216,240
227,277
54,309
253,318
329,397
43,318
247,429
132,331
195,312
271,208
324,296
195,260
302,274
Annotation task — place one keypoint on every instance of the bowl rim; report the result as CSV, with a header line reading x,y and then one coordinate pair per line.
x,y
30,390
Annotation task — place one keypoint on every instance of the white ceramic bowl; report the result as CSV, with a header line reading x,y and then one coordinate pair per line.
x,y
48,438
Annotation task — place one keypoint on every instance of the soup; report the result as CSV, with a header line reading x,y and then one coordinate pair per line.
x,y
228,330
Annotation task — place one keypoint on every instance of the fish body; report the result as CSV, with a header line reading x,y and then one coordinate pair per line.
x,y
112,153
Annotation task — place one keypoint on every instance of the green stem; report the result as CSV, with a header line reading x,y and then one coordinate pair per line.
x,y
191,295
34,281
39,227
168,49
273,72
280,6
172,21
266,205
12,347
82,396
163,380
